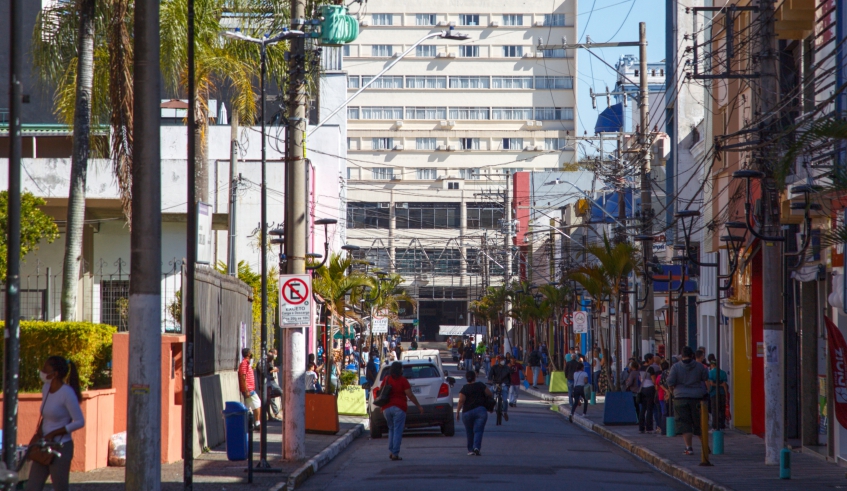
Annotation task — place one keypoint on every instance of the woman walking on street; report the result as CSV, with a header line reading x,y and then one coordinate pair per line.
x,y
395,410
61,415
472,410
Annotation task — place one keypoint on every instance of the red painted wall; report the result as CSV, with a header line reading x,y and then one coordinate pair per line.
x,y
521,204
757,383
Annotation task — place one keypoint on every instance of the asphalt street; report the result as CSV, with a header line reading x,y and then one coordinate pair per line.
x,y
536,449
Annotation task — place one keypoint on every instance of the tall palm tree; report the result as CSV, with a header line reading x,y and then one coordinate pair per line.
x,y
335,280
557,298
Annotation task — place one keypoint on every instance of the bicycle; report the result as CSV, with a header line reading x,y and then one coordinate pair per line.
x,y
498,396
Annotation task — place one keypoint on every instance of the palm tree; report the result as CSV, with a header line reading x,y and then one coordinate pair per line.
x,y
335,280
557,298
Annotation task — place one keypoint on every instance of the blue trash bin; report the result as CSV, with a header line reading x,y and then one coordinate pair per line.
x,y
235,418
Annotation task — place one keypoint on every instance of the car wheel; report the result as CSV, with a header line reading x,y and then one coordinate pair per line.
x,y
376,431
448,428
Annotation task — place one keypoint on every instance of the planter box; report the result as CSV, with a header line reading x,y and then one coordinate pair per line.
x,y
528,374
321,413
558,383
91,443
351,401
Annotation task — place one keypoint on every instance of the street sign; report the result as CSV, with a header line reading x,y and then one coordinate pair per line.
x,y
580,322
380,325
295,300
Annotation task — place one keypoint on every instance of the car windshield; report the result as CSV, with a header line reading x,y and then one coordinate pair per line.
x,y
415,372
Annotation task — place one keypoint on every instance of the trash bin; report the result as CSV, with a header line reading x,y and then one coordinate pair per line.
x,y
235,418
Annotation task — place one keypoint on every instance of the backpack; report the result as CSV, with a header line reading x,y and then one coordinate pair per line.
x,y
534,359
384,395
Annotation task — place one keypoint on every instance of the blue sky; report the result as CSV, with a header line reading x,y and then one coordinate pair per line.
x,y
609,17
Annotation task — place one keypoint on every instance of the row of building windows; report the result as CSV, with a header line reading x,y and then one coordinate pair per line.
x,y
465,51
462,113
422,215
432,143
471,173
550,20
445,261
460,82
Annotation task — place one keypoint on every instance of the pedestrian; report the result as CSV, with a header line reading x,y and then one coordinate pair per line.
x,y
312,380
502,376
414,344
370,369
467,356
663,394
486,362
571,368
61,415
535,365
580,380
717,381
595,369
686,381
272,387
648,395
471,410
395,410
633,385
515,371
398,350
247,385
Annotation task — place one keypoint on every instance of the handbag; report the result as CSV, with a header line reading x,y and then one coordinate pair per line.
x,y
490,403
384,395
36,453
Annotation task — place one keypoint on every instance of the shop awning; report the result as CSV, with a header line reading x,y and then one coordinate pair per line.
x,y
460,330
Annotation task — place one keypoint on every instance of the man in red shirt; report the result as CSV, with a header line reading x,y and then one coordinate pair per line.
x,y
247,385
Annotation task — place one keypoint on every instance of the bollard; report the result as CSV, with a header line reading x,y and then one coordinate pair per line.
x,y
785,464
670,426
704,434
717,442
593,400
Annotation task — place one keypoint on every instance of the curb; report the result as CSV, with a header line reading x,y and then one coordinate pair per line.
x,y
678,472
312,465
543,396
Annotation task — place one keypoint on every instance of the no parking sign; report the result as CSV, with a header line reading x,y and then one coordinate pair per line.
x,y
295,300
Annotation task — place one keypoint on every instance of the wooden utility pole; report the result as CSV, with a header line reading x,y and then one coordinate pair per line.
x,y
647,323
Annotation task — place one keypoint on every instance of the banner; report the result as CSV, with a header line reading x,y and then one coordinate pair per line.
x,y
838,361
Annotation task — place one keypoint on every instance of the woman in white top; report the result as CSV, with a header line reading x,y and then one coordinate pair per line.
x,y
61,415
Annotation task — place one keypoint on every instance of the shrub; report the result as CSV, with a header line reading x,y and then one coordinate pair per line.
x,y
349,378
88,345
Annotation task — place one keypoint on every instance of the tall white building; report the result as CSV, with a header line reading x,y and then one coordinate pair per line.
x,y
430,143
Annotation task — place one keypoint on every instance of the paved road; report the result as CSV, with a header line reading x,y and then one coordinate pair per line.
x,y
536,447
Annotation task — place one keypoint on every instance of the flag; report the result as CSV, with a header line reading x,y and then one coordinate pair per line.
x,y
838,361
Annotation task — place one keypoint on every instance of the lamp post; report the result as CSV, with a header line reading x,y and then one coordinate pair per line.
x,y
350,250
263,43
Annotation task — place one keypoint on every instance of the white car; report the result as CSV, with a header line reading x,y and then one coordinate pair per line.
x,y
430,388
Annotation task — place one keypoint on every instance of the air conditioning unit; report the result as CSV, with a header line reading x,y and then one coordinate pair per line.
x,y
442,23
452,23
528,55
398,147
539,23
451,55
493,23
401,205
539,55
396,55
442,123
398,124
539,148
364,23
384,204
538,123
441,147
530,123
451,148
441,55
451,123
528,147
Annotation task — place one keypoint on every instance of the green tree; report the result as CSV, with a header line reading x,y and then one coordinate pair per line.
x,y
335,280
254,280
36,226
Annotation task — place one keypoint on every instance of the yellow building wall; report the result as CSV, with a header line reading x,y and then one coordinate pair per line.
x,y
742,366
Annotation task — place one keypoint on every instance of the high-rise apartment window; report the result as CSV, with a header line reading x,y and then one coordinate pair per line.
x,y
554,82
377,112
382,19
511,113
484,215
425,144
352,113
470,143
367,215
452,185
353,82
512,19
462,82
382,144
382,50
553,53
512,51
425,19
346,50
349,145
426,112
426,51
512,144
553,113
469,19
554,144
425,82
471,51
469,113
382,173
384,82
427,215
554,20
511,82
427,174
469,174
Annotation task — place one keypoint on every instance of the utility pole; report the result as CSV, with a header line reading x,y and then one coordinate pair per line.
x,y
768,96
11,361
144,405
507,273
232,261
294,426
647,324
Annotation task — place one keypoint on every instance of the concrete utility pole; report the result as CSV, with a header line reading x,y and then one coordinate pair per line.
x,y
232,258
647,323
12,347
294,359
768,98
144,405
507,273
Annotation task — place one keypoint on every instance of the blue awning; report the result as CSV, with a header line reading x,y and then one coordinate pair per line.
x,y
610,120
609,201
673,272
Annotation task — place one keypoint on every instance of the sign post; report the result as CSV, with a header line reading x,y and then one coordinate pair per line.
x,y
295,300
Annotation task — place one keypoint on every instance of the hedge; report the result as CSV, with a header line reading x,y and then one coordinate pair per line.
x,y
87,344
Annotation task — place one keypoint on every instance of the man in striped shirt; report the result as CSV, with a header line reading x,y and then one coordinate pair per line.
x,y
247,385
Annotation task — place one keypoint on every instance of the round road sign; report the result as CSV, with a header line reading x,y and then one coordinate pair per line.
x,y
295,291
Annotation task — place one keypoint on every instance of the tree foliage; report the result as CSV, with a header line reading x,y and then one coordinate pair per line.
x,y
36,226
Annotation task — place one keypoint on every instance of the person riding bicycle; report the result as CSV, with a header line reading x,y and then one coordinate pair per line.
x,y
501,375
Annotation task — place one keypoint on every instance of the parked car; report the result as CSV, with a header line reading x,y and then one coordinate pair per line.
x,y
432,355
432,391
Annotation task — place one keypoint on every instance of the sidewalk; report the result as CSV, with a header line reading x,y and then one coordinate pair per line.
x,y
740,468
212,471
